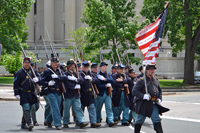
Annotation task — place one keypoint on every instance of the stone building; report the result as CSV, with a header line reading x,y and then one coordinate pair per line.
x,y
59,16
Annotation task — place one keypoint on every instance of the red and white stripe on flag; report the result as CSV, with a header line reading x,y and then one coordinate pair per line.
x,y
147,42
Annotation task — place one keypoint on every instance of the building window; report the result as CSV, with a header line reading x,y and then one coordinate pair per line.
x,y
174,55
35,7
133,54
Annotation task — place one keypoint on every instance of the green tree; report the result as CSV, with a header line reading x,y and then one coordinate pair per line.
x,y
79,36
12,62
113,25
12,18
182,27
32,55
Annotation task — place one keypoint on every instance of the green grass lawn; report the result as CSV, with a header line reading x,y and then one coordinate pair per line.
x,y
171,83
163,82
6,80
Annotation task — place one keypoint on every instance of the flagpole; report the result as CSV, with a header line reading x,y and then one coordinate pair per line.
x,y
145,82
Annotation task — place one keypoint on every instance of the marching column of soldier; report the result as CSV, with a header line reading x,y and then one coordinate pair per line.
x,y
121,92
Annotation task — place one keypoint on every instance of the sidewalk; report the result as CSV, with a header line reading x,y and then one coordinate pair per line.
x,y
7,93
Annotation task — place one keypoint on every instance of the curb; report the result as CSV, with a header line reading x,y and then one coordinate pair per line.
x,y
10,85
13,99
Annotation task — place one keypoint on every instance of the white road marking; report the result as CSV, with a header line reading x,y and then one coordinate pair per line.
x,y
181,119
180,102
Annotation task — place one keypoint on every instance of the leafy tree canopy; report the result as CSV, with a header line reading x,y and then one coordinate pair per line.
x,y
113,25
12,18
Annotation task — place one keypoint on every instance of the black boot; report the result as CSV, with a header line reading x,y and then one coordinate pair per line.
x,y
27,117
23,125
158,127
137,128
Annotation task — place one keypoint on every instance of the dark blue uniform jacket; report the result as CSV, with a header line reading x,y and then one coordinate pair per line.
x,y
87,90
102,84
25,87
118,87
46,77
145,107
70,85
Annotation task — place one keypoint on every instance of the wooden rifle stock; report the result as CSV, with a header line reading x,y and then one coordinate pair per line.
x,y
95,88
126,88
109,88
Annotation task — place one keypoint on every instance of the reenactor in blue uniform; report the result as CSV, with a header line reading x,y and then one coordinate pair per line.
x,y
133,80
105,80
47,108
51,79
114,70
148,105
87,93
140,75
72,97
94,69
24,89
127,69
63,67
119,97
79,66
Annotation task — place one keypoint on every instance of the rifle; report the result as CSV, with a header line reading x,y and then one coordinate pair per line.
x,y
41,37
35,58
113,59
77,75
55,55
109,88
94,87
33,72
127,89
127,60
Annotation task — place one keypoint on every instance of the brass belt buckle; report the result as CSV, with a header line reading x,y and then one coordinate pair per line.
x,y
90,89
122,89
28,91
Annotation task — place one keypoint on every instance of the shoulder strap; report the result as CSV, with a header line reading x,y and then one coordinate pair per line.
x,y
52,71
29,76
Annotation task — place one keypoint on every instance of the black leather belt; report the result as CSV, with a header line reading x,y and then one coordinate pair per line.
x,y
90,89
29,91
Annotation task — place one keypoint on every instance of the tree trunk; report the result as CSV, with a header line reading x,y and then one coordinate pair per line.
x,y
189,64
189,50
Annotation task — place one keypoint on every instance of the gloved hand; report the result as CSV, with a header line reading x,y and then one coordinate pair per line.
x,y
108,85
158,101
54,76
146,97
35,79
72,78
77,86
51,83
17,96
101,77
88,77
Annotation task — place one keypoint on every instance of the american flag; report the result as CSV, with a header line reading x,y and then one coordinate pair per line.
x,y
148,39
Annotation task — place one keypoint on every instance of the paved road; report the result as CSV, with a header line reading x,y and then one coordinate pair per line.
x,y
184,117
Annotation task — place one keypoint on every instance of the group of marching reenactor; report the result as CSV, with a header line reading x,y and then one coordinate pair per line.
x,y
121,92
